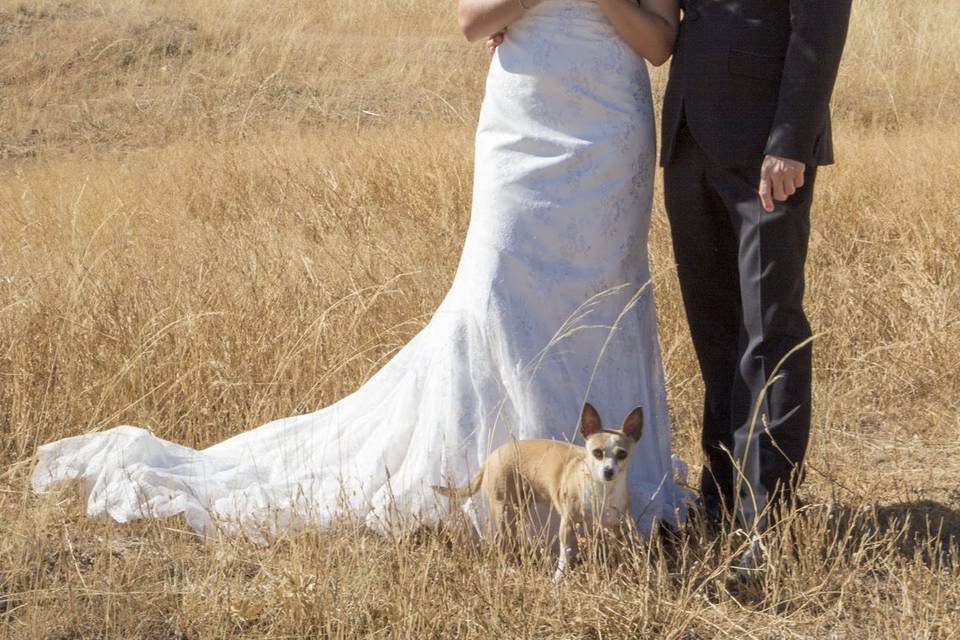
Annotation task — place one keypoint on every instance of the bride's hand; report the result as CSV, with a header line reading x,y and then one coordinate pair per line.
x,y
495,40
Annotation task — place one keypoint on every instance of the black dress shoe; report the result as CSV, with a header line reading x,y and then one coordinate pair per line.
x,y
708,516
714,515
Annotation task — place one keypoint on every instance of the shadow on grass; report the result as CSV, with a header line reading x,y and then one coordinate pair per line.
x,y
922,526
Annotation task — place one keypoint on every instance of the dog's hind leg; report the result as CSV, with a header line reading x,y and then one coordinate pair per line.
x,y
568,547
505,519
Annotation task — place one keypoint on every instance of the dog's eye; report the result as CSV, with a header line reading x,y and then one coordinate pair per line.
x,y
598,454
621,454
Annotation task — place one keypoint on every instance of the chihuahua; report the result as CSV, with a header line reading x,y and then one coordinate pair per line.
x,y
585,484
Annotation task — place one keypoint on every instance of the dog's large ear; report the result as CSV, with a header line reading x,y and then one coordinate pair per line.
x,y
633,424
589,421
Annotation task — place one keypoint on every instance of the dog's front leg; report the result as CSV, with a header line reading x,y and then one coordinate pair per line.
x,y
615,542
568,547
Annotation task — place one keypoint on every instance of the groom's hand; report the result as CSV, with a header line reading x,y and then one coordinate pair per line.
x,y
496,40
779,179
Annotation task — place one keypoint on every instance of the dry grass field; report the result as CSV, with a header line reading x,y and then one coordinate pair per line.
x,y
217,213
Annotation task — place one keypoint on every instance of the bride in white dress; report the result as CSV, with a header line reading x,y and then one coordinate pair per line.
x,y
550,306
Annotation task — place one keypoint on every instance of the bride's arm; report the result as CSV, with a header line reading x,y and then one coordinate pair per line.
x,y
482,18
648,26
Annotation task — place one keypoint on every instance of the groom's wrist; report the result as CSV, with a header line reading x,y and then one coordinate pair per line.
x,y
785,141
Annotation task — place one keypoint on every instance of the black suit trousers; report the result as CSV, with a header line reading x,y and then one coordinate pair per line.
x,y
741,273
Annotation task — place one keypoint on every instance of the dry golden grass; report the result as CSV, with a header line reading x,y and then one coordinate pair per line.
x,y
213,214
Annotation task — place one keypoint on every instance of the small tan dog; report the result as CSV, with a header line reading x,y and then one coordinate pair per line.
x,y
585,484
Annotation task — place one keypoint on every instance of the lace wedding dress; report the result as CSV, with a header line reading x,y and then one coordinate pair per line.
x,y
550,307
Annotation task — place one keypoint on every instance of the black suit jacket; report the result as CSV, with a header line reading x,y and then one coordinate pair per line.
x,y
754,77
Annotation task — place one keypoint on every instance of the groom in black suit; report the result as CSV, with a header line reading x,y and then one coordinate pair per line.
x,y
746,123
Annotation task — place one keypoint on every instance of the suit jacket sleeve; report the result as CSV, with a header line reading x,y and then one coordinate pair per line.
x,y
818,33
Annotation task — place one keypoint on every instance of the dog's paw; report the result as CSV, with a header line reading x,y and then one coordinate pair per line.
x,y
559,575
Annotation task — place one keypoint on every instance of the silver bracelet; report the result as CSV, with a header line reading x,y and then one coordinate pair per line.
x,y
523,6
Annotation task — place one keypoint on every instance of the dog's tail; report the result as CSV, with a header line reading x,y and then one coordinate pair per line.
x,y
461,492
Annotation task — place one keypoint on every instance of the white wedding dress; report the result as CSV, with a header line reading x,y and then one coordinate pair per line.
x,y
550,307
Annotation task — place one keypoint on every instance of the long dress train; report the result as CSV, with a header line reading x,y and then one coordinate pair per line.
x,y
550,306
